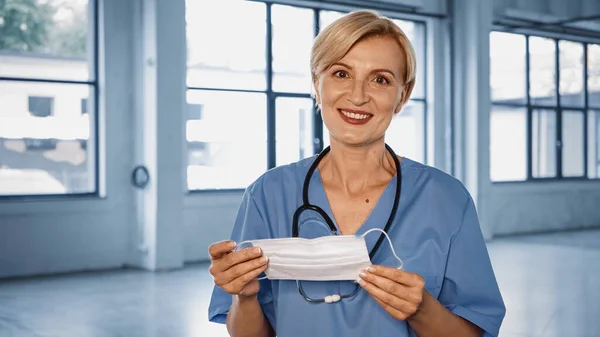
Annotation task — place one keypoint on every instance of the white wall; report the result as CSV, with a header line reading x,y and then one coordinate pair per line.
x,y
536,207
208,218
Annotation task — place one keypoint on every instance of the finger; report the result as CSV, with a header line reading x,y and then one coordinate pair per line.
x,y
410,294
220,249
397,275
241,281
388,301
392,311
235,258
243,268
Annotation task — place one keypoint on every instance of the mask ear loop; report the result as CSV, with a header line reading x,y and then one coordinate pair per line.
x,y
238,248
389,240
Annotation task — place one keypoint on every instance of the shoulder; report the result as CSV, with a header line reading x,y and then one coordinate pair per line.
x,y
273,197
441,199
439,187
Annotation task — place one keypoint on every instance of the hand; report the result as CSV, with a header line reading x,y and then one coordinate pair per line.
x,y
236,272
399,292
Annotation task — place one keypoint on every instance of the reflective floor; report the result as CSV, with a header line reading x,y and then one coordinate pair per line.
x,y
551,285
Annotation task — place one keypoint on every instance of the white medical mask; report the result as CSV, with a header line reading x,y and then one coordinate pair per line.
x,y
328,258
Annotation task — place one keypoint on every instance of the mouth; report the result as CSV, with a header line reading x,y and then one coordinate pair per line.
x,y
354,116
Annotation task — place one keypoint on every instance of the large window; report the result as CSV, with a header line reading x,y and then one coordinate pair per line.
x,y
545,97
254,87
48,91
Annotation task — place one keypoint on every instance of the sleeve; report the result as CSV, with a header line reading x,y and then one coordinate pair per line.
x,y
249,225
470,289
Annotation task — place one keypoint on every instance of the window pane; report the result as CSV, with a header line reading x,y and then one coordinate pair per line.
x,y
293,32
226,58
543,136
507,68
406,134
416,35
594,75
46,39
542,73
571,73
328,17
508,144
594,144
227,146
572,144
408,27
325,19
46,140
294,129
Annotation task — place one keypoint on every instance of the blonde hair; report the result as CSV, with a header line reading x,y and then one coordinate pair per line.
x,y
335,41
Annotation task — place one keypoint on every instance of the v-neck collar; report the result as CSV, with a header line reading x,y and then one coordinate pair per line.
x,y
378,216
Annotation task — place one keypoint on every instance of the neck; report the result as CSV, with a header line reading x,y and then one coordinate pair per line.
x,y
356,168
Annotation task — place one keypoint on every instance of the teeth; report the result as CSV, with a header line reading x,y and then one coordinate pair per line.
x,y
354,115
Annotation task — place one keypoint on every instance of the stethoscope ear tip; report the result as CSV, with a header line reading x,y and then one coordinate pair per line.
x,y
332,298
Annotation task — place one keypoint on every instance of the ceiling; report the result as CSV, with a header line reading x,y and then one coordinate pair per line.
x,y
573,17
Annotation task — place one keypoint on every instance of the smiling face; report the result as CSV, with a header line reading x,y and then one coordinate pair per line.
x,y
359,95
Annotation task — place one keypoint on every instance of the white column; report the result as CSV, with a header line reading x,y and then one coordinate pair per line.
x,y
160,133
472,22
438,90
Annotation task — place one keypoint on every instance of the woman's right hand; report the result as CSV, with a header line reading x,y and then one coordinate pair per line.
x,y
236,272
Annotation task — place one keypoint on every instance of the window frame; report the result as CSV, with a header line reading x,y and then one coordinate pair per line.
x,y
272,95
593,112
558,107
94,85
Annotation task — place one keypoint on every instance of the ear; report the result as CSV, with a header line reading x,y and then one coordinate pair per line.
x,y
317,91
398,108
401,102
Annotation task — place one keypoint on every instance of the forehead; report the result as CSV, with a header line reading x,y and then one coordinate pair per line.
x,y
376,52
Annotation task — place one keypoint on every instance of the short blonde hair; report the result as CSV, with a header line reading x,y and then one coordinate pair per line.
x,y
335,41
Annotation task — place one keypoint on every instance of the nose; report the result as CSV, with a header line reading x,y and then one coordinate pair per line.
x,y
358,95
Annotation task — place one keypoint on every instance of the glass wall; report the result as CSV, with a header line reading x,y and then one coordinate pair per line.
x,y
542,106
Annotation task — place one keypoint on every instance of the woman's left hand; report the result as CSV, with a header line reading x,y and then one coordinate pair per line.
x,y
399,292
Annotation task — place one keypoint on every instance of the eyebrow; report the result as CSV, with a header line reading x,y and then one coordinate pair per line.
x,y
378,70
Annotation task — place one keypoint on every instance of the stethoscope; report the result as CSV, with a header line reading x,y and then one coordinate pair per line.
x,y
307,206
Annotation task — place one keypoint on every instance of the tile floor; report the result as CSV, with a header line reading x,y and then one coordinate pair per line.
x,y
551,285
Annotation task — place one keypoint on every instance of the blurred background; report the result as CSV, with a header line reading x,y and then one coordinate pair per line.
x,y
129,129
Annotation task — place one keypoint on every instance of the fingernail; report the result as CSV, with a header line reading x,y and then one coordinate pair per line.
x,y
232,244
361,282
264,259
370,269
257,250
362,274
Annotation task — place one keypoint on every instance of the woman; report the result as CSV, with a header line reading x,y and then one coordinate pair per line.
x,y
363,69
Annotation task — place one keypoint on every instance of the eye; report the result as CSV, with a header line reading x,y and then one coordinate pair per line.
x,y
381,80
340,74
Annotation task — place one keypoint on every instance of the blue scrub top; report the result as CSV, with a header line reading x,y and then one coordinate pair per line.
x,y
435,232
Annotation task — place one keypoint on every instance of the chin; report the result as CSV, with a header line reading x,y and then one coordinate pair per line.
x,y
355,140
